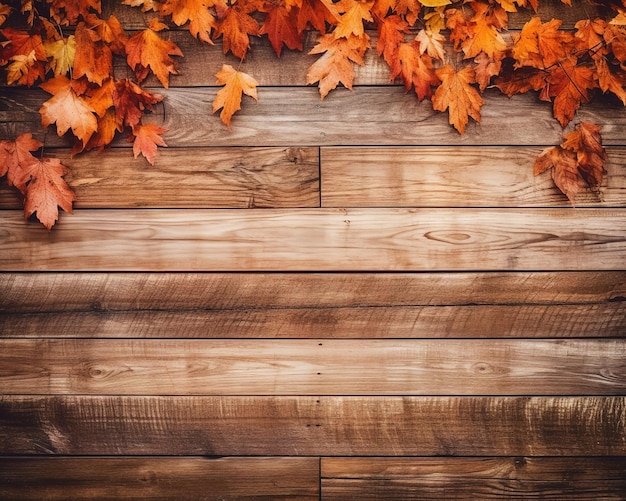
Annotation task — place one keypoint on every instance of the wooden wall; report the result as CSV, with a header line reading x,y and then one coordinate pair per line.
x,y
338,299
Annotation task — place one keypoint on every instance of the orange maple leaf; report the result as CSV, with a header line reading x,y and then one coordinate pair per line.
x,y
457,95
16,153
93,58
313,13
486,68
355,14
108,126
391,30
147,51
67,110
568,84
542,45
483,35
45,190
147,138
335,65
67,12
27,54
416,70
228,99
235,25
281,27
110,32
196,13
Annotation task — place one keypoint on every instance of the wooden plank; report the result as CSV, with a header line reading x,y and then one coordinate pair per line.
x,y
313,367
479,321
102,292
393,117
159,478
303,426
453,177
473,478
205,177
319,239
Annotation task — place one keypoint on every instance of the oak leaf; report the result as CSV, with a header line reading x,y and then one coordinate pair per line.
x,y
335,65
457,95
147,138
147,51
67,110
45,190
228,99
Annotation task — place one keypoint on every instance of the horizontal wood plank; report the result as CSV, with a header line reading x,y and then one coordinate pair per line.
x,y
303,426
473,478
393,117
64,292
478,321
313,367
319,239
453,177
204,177
158,478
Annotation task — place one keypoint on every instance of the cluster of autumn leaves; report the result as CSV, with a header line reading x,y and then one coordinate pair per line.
x,y
446,52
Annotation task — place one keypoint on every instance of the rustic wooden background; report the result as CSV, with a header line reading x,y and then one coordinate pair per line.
x,y
338,299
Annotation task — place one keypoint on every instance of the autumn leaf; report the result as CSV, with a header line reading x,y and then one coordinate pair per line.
x,y
93,58
67,12
457,95
228,99
486,68
5,11
569,84
146,5
235,26
410,9
61,52
46,190
564,169
130,101
26,54
196,13
416,70
350,23
67,110
146,139
108,126
110,32
391,32
146,51
335,65
483,34
435,3
13,154
431,43
577,162
542,45
281,27
315,14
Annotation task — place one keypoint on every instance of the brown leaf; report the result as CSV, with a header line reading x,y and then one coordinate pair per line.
x,y
130,101
13,154
564,169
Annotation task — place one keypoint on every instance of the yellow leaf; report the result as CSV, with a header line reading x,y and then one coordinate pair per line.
x,y
435,3
62,53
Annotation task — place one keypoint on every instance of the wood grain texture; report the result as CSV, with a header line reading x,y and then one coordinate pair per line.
x,y
159,478
473,478
478,321
64,292
304,426
453,177
393,117
204,177
313,367
319,239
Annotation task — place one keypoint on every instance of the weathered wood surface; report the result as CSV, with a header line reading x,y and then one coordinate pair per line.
x,y
159,478
391,117
58,292
313,367
473,478
319,239
304,426
351,177
205,177
453,177
478,321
